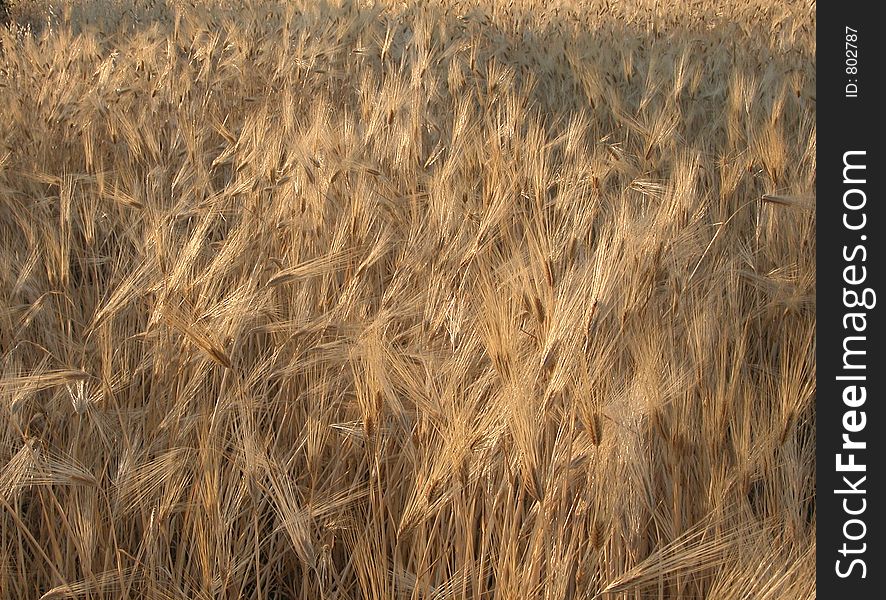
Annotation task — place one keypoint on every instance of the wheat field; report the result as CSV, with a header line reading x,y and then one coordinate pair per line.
x,y
426,300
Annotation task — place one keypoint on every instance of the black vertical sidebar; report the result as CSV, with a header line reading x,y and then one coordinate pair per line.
x,y
851,223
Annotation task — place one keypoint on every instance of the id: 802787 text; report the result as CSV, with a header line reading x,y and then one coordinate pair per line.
x,y
851,63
